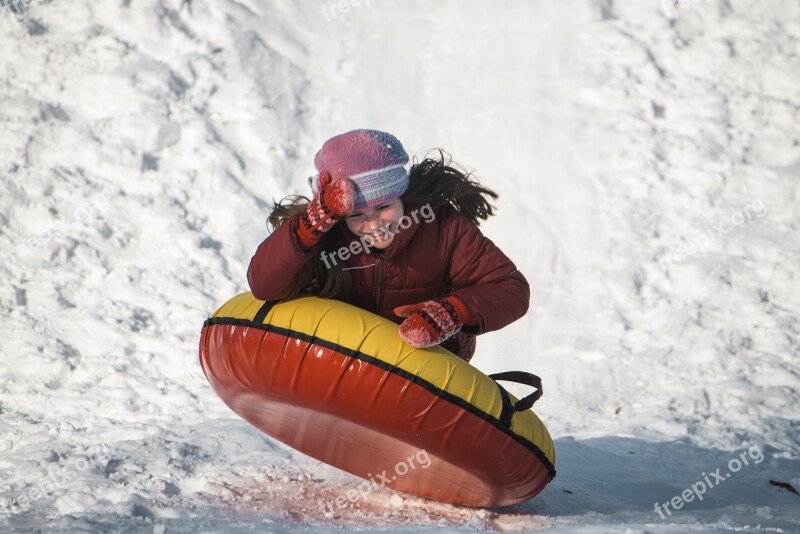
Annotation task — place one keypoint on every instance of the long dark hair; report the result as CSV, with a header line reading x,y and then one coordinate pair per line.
x,y
436,182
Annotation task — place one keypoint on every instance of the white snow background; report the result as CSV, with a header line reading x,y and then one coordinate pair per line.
x,y
647,157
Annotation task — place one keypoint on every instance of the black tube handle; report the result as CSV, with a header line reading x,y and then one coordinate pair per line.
x,y
525,403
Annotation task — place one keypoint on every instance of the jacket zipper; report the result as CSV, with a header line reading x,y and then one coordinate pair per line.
x,y
379,284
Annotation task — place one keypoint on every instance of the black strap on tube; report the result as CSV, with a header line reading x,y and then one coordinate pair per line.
x,y
520,377
261,314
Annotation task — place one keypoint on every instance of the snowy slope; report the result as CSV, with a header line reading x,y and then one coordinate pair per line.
x,y
647,158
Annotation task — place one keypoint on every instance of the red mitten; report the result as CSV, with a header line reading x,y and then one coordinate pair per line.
x,y
334,200
431,322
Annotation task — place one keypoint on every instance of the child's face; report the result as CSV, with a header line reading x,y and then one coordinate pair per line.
x,y
380,221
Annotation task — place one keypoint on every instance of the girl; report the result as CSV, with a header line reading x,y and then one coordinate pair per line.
x,y
409,249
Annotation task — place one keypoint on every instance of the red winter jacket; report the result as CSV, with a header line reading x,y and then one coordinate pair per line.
x,y
446,256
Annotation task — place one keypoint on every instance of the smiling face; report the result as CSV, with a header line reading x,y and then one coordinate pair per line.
x,y
380,222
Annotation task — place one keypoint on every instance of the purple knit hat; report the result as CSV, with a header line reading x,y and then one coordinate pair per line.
x,y
372,159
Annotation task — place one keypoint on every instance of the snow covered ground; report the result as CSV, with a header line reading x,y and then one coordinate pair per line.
x,y
647,157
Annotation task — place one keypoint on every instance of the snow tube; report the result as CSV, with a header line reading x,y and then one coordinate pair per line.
x,y
338,384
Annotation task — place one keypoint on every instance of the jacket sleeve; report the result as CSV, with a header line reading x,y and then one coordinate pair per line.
x,y
485,279
280,263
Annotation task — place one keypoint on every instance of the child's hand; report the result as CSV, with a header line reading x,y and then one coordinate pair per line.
x,y
338,196
431,322
334,200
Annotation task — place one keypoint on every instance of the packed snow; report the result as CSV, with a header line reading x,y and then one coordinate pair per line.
x,y
647,157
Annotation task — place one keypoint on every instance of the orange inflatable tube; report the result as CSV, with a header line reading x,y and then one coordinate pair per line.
x,y
337,383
